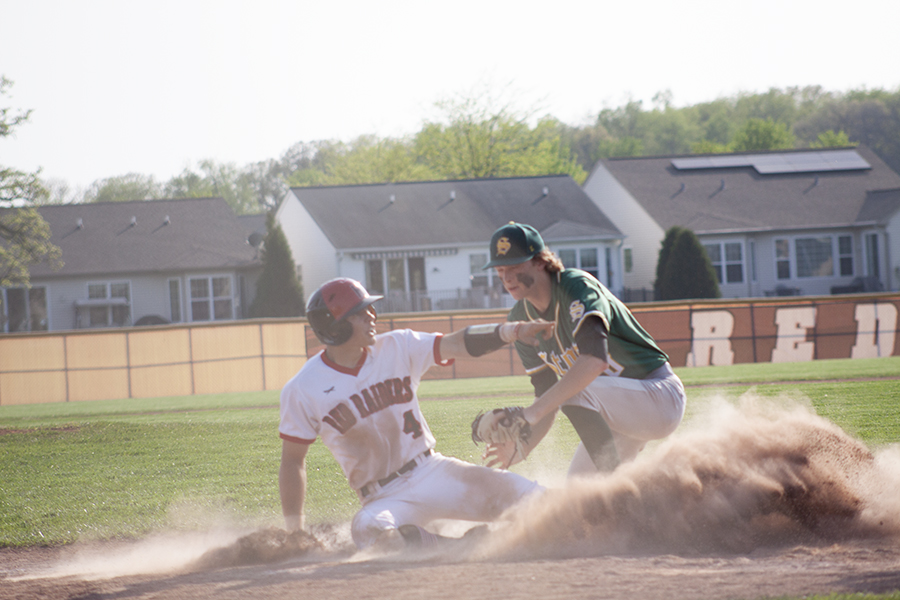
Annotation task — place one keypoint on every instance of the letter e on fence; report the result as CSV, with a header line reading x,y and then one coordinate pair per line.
x,y
711,339
792,325
876,325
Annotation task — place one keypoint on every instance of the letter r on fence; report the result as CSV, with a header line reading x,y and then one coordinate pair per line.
x,y
711,339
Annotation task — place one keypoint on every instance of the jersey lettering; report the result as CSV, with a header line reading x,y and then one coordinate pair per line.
x,y
560,363
382,395
411,424
341,418
614,369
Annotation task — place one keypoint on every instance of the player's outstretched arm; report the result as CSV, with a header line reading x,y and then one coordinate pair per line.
x,y
477,340
292,483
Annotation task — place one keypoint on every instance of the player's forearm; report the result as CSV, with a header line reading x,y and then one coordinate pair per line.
x,y
292,488
483,339
540,429
583,372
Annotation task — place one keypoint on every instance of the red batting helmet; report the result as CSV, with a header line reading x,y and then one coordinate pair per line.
x,y
331,304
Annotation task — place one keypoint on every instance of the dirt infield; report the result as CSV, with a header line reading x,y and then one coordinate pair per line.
x,y
802,570
751,501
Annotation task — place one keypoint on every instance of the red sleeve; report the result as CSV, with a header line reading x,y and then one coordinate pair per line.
x,y
296,440
437,352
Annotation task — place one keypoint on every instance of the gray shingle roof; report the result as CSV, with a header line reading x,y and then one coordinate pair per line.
x,y
422,213
879,206
201,234
742,199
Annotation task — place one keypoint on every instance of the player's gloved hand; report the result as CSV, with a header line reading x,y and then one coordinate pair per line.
x,y
504,426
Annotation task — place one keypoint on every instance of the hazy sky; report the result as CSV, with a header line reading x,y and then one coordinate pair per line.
x,y
121,86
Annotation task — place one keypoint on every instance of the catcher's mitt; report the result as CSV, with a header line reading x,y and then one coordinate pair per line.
x,y
503,425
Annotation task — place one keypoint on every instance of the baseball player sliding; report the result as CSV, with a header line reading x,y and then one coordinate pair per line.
x,y
359,396
600,367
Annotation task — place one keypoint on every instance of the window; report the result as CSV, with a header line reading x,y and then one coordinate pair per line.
x,y
734,262
175,300
714,252
628,258
26,309
396,277
586,259
120,313
396,273
845,255
589,261
872,265
814,257
752,257
819,256
375,277
783,259
416,266
609,267
211,298
569,258
477,275
116,311
727,259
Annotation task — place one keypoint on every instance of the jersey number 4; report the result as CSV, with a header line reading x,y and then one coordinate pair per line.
x,y
411,424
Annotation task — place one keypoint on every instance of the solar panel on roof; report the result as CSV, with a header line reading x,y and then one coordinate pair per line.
x,y
775,163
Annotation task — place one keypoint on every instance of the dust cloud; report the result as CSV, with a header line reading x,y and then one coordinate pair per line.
x,y
739,478
156,554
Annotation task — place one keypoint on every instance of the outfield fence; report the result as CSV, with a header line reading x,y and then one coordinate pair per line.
x,y
259,355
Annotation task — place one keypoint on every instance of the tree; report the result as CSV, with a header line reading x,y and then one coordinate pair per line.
x,y
664,253
708,147
762,134
479,139
278,291
367,159
219,180
584,143
687,272
123,188
24,235
830,139
870,117
626,146
248,190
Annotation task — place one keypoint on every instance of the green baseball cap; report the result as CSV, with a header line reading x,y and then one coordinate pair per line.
x,y
513,244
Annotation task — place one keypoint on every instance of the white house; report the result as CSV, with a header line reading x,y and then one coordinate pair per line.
x,y
136,263
785,222
423,244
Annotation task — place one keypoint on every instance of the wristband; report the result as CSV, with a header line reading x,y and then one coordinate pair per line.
x,y
509,332
481,339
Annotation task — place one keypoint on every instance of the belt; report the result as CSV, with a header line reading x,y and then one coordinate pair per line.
x,y
370,488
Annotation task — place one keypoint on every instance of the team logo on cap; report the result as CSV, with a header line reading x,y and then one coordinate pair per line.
x,y
503,246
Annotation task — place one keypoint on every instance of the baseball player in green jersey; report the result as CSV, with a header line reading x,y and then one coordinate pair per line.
x,y
599,366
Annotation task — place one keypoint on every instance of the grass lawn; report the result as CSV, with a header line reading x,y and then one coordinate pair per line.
x,y
128,467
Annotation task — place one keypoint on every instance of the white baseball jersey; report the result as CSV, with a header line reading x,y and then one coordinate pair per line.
x,y
367,416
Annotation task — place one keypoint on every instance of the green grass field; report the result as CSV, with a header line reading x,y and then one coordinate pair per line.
x,y
124,468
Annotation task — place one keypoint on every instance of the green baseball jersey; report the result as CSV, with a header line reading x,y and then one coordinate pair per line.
x,y
575,294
